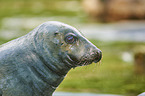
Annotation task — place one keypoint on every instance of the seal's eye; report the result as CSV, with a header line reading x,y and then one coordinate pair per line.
x,y
70,39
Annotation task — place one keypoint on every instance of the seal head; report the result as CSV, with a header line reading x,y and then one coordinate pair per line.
x,y
69,45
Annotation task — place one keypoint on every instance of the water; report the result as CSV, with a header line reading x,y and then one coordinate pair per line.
x,y
129,31
126,31
18,25
81,94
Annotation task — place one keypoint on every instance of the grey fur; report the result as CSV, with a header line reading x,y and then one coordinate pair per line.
x,y
35,64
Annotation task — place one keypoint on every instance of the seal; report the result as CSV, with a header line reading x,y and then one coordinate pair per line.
x,y
35,64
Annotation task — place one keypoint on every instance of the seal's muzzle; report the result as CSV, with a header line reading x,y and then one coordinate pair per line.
x,y
98,56
85,53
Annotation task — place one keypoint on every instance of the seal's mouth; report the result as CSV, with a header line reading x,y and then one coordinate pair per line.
x,y
86,59
69,60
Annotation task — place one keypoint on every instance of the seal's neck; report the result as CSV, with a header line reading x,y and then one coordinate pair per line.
x,y
48,69
48,73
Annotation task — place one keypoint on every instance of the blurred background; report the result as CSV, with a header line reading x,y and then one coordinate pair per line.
x,y
117,27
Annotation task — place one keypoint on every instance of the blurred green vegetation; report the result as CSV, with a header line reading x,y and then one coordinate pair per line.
x,y
35,8
111,75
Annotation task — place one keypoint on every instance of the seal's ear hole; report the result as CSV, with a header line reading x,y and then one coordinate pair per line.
x,y
56,33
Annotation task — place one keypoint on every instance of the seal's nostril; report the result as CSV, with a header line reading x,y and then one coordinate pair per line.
x,y
98,57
